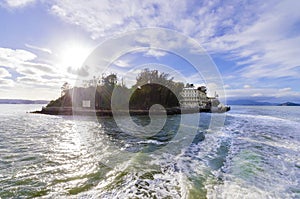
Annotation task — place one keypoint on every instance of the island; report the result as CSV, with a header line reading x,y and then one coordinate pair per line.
x,y
106,96
289,104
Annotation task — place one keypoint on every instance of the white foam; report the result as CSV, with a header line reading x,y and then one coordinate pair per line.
x,y
236,189
152,142
261,117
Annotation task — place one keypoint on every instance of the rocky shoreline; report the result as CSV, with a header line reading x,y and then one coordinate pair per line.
x,y
93,112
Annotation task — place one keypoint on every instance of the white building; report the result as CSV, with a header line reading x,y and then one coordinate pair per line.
x,y
194,97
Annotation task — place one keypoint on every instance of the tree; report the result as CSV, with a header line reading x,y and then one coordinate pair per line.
x,y
65,99
148,77
104,91
110,80
155,88
65,88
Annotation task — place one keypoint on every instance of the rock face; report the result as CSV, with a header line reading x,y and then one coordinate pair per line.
x,y
93,112
70,111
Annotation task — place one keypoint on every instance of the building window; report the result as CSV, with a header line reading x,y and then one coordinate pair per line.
x,y
86,103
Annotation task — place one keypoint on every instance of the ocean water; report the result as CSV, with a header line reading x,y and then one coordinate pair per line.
x,y
256,154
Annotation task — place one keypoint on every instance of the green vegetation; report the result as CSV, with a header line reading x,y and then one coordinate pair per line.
x,y
63,101
154,88
151,87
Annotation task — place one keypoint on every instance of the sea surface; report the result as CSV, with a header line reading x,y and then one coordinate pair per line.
x,y
255,154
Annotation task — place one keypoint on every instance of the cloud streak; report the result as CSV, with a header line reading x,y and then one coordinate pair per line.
x,y
6,82
4,73
22,61
46,50
18,3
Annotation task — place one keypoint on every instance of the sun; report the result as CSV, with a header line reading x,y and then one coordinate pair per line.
x,y
74,55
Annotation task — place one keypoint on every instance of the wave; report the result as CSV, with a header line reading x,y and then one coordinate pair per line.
x,y
152,142
264,117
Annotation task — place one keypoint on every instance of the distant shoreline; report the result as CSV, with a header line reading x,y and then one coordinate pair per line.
x,y
261,105
22,101
257,103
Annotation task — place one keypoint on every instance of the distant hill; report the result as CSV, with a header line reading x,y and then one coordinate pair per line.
x,y
250,103
21,101
288,104
246,102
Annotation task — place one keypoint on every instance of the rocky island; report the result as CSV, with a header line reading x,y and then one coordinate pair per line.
x,y
105,96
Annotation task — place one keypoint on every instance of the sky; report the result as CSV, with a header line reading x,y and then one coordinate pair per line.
x,y
254,44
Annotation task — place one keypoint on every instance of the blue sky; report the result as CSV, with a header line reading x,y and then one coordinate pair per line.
x,y
254,44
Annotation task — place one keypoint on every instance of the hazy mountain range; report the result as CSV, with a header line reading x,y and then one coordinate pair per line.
x,y
22,101
258,103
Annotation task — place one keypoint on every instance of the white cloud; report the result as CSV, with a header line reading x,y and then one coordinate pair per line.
x,y
94,16
4,73
247,86
18,3
22,61
257,95
6,82
30,68
31,75
226,86
39,82
155,53
269,45
82,71
122,63
109,17
265,41
46,50
285,89
262,92
14,58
